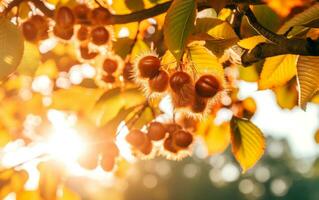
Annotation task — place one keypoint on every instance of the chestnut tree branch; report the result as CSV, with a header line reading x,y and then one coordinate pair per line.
x,y
127,18
278,45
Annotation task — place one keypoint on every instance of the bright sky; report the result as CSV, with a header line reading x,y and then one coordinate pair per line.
x,y
296,125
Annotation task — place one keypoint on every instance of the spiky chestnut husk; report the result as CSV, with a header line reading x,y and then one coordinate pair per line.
x,y
81,12
83,33
147,147
182,139
107,162
207,86
42,25
100,16
108,78
109,148
100,35
149,66
65,34
128,72
199,105
182,87
136,138
89,160
110,65
64,18
29,31
86,54
156,131
159,83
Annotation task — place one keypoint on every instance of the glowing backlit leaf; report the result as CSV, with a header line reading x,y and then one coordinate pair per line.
x,y
317,136
204,61
283,7
248,143
30,60
216,137
179,23
287,95
277,71
248,74
11,47
63,99
140,47
251,42
112,101
216,28
303,18
308,73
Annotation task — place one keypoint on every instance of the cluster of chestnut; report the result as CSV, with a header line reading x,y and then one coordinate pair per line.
x,y
183,90
92,28
35,28
174,138
108,151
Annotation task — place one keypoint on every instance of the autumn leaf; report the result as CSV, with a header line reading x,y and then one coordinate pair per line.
x,y
277,71
283,7
300,20
140,48
216,137
112,101
178,25
317,136
308,78
11,47
248,142
216,28
287,95
30,60
251,42
204,61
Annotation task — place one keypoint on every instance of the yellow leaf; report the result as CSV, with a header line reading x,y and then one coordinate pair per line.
x,y
249,74
140,48
204,61
287,95
251,42
216,28
68,194
112,101
50,178
5,137
63,99
48,68
30,60
27,195
317,136
168,61
308,78
248,143
11,47
216,137
277,71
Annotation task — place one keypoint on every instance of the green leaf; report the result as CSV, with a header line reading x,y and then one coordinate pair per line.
x,y
11,47
308,78
248,142
300,20
112,101
178,25
30,60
